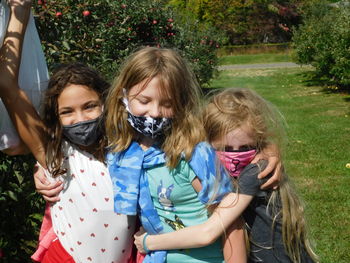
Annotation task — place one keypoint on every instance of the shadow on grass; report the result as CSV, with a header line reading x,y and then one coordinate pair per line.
x,y
310,78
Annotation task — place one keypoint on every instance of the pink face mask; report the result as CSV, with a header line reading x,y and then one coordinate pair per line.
x,y
235,162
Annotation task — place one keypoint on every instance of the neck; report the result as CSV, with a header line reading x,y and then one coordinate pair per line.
x,y
89,149
146,142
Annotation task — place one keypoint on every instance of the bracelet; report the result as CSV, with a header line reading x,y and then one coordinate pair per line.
x,y
144,244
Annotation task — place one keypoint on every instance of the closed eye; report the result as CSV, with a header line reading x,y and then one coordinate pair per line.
x,y
143,100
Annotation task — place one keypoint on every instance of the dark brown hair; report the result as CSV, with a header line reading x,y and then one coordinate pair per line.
x,y
64,75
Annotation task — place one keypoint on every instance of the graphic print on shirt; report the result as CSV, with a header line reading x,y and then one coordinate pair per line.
x,y
164,196
177,224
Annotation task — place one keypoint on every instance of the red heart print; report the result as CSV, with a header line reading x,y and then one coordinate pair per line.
x,y
102,173
116,238
89,258
93,184
106,225
103,250
106,199
94,210
82,194
70,200
81,219
92,235
81,170
79,243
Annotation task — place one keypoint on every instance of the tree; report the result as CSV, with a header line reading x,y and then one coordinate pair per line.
x,y
323,40
247,21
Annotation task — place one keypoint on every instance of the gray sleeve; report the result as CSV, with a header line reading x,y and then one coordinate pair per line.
x,y
248,182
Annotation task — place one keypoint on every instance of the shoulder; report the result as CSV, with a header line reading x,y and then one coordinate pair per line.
x,y
248,182
203,152
254,168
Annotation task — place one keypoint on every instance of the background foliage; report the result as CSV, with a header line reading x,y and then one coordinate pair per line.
x,y
324,42
21,209
103,33
246,22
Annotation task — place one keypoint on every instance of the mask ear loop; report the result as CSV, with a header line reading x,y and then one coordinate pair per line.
x,y
125,101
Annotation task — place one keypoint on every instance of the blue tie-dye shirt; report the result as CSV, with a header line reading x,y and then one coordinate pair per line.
x,y
131,189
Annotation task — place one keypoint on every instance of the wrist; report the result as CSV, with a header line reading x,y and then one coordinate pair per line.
x,y
144,243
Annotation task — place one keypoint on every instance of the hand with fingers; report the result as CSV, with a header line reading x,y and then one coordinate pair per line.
x,y
270,153
48,190
139,240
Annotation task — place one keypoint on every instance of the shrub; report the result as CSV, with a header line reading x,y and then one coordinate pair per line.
x,y
103,33
324,42
21,209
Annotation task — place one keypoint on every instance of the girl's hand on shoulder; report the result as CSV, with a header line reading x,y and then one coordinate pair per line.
x,y
48,190
139,236
272,155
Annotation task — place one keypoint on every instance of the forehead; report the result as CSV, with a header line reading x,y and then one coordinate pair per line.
x,y
76,94
150,88
236,138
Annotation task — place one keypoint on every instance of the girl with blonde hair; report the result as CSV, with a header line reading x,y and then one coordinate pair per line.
x,y
239,124
159,164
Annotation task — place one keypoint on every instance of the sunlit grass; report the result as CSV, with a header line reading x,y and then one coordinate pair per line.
x,y
317,152
255,58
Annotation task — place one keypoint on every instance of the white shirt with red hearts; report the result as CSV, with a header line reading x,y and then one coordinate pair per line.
x,y
84,219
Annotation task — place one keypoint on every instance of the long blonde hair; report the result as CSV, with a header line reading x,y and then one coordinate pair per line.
x,y
177,82
234,107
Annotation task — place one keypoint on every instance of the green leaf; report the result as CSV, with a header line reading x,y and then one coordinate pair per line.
x,y
66,45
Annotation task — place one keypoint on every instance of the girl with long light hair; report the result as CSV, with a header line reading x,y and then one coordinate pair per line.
x,y
239,124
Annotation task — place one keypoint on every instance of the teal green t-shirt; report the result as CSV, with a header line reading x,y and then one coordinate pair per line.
x,y
178,206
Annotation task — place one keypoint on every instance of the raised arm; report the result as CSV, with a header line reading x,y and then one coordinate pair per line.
x,y
22,112
201,235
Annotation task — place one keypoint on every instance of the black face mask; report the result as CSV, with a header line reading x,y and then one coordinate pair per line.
x,y
147,126
83,133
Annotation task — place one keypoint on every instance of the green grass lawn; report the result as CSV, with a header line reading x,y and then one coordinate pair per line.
x,y
318,148
255,58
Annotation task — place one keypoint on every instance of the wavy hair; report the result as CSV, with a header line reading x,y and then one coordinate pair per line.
x,y
64,75
177,83
234,107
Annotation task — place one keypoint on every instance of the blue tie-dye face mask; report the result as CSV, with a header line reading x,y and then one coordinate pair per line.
x,y
147,126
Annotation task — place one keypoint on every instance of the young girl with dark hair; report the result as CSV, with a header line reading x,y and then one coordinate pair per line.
x,y
70,143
